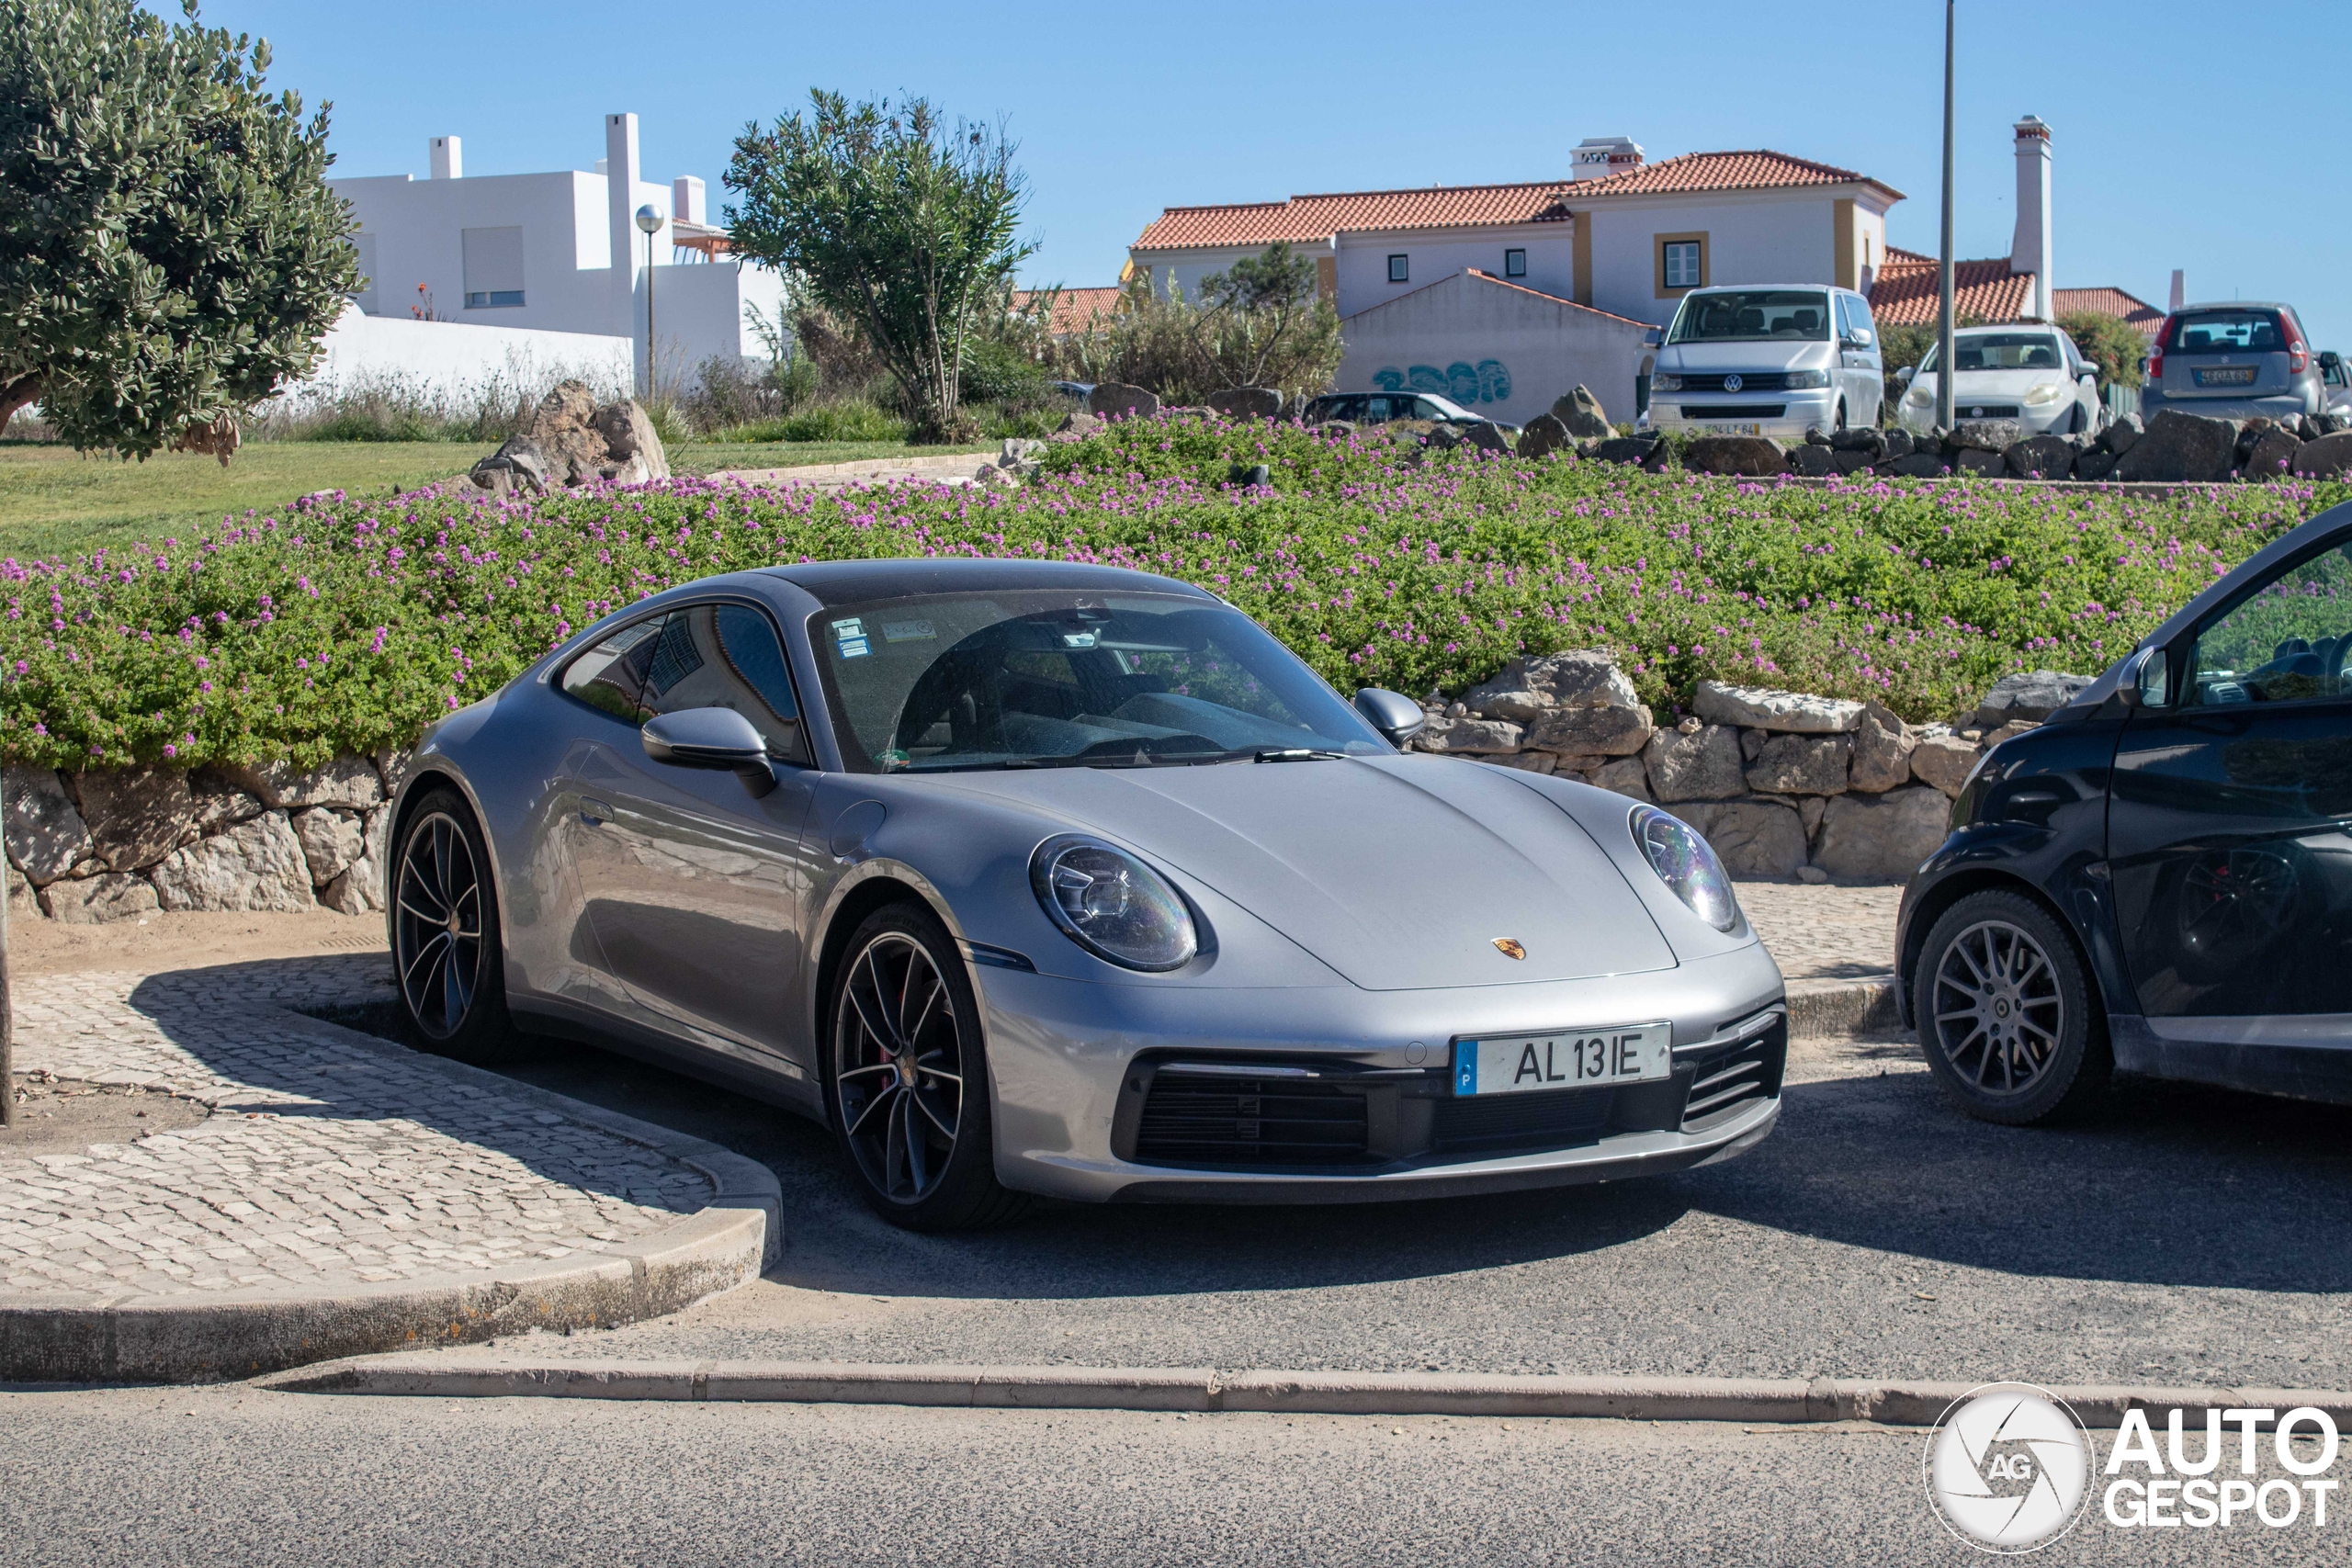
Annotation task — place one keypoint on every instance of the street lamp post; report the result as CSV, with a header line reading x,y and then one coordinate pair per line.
x,y
1943,307
648,222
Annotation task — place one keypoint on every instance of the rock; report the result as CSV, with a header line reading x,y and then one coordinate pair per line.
x,y
1626,776
1851,462
1078,424
2039,457
391,767
628,433
1582,413
1814,436
1812,875
2307,428
1899,444
1248,403
1524,762
1660,457
1751,744
330,840
358,891
1117,399
1752,838
1592,732
2121,435
1335,429
2182,446
1994,435
1457,737
2273,455
1627,448
1761,707
1866,438
563,427
1484,434
1887,836
1753,456
45,834
24,899
2093,467
1543,435
1703,764
254,865
1974,460
2010,731
518,464
1814,462
2331,423
1809,810
97,900
1017,451
136,816
1572,678
1801,765
347,781
2030,693
1882,744
1944,762
219,804
2328,458
1921,466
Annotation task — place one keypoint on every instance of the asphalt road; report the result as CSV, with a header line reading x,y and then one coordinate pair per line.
x,y
232,1476
2184,1236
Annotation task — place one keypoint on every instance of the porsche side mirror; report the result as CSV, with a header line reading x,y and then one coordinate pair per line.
x,y
1392,713
710,738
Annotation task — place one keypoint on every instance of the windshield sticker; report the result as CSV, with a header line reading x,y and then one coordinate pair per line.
x,y
908,631
1078,639
849,637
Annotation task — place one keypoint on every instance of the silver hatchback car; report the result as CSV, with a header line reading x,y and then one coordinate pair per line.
x,y
1029,877
2235,361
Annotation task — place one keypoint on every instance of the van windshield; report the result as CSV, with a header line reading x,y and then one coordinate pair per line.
x,y
1753,315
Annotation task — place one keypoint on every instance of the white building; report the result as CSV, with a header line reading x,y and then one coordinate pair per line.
x,y
537,252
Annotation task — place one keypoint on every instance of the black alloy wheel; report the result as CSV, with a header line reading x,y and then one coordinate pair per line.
x,y
2008,1017
445,933
908,1076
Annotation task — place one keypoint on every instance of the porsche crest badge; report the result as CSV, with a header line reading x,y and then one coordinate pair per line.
x,y
1509,947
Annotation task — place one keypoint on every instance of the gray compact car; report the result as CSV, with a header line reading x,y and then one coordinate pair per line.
x,y
2235,361
1039,879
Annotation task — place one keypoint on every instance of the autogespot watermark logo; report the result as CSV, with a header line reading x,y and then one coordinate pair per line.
x,y
2008,1467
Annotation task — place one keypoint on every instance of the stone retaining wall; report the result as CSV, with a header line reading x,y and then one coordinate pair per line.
x,y
94,847
1780,783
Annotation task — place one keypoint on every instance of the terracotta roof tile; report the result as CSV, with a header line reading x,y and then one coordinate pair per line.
x,y
1074,308
1906,292
2129,308
1758,169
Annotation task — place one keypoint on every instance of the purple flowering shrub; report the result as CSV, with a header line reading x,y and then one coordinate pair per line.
x,y
342,627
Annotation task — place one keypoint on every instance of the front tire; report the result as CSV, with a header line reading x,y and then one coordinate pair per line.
x,y
2010,1021
447,950
907,1077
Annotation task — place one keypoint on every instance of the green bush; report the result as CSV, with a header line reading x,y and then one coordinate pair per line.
x,y
826,421
348,626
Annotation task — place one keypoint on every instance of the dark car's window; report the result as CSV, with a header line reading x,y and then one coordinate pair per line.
x,y
727,656
1750,315
1054,677
2222,331
2287,643
611,675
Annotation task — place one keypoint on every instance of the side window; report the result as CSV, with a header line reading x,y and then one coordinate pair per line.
x,y
2287,643
611,675
727,656
1514,263
1399,270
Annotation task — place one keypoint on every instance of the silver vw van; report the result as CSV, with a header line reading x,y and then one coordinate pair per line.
x,y
1770,360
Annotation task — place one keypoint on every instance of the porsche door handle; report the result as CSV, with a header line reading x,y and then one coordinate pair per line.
x,y
595,813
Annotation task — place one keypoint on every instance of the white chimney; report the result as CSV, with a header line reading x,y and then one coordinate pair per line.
x,y
2179,289
686,199
449,158
1598,157
620,208
2029,252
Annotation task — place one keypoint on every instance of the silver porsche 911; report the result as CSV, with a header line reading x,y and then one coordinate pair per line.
x,y
1039,879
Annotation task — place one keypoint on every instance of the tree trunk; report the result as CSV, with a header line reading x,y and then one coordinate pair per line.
x,y
13,395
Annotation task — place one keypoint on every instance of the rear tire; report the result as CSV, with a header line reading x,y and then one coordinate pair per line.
x,y
2011,1025
447,951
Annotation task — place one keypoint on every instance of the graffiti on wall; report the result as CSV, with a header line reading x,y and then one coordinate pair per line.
x,y
1488,382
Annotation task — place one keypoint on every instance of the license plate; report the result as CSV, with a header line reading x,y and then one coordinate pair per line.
x,y
1732,429
1569,1058
2225,375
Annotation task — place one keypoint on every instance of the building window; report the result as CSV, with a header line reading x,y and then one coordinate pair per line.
x,y
1397,272
1514,263
491,298
1682,264
493,267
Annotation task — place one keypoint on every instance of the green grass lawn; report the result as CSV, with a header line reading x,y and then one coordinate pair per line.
x,y
54,501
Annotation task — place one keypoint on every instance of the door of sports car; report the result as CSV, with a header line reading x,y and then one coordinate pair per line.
x,y
2230,821
693,881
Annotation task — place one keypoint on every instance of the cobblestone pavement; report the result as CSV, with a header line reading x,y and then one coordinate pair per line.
x,y
1828,932
329,1159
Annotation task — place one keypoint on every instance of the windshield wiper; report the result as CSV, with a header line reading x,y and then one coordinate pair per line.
x,y
1298,754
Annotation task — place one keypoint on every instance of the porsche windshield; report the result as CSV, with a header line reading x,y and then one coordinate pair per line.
x,y
1063,679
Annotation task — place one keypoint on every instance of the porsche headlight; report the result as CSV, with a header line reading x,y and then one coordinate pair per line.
x,y
1112,905
2042,397
1685,863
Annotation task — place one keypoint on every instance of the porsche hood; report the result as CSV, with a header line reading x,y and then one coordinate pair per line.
x,y
1399,875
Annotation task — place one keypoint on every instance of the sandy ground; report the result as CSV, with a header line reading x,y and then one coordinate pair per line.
x,y
158,942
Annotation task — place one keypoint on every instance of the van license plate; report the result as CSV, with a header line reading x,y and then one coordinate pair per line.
x,y
1567,1058
1732,429
2225,375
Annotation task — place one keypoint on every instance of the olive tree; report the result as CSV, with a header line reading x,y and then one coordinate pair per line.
x,y
891,219
170,252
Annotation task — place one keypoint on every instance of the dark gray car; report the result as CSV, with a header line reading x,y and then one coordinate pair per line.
x,y
2235,361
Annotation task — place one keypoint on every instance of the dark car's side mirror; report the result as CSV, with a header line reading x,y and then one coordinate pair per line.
x,y
710,738
2329,359
2143,679
1392,713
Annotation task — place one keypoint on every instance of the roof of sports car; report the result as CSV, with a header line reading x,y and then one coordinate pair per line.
x,y
857,582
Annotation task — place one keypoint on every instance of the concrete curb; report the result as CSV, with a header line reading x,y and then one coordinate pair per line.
x,y
1828,1007
1201,1390
57,1337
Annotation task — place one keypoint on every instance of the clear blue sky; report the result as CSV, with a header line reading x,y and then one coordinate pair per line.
x,y
2163,160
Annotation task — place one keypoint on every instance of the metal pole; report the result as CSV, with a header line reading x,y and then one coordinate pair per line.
x,y
8,1010
649,366
1943,309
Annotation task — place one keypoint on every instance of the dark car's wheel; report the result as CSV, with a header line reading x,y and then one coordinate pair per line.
x,y
908,1077
2010,1021
446,944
